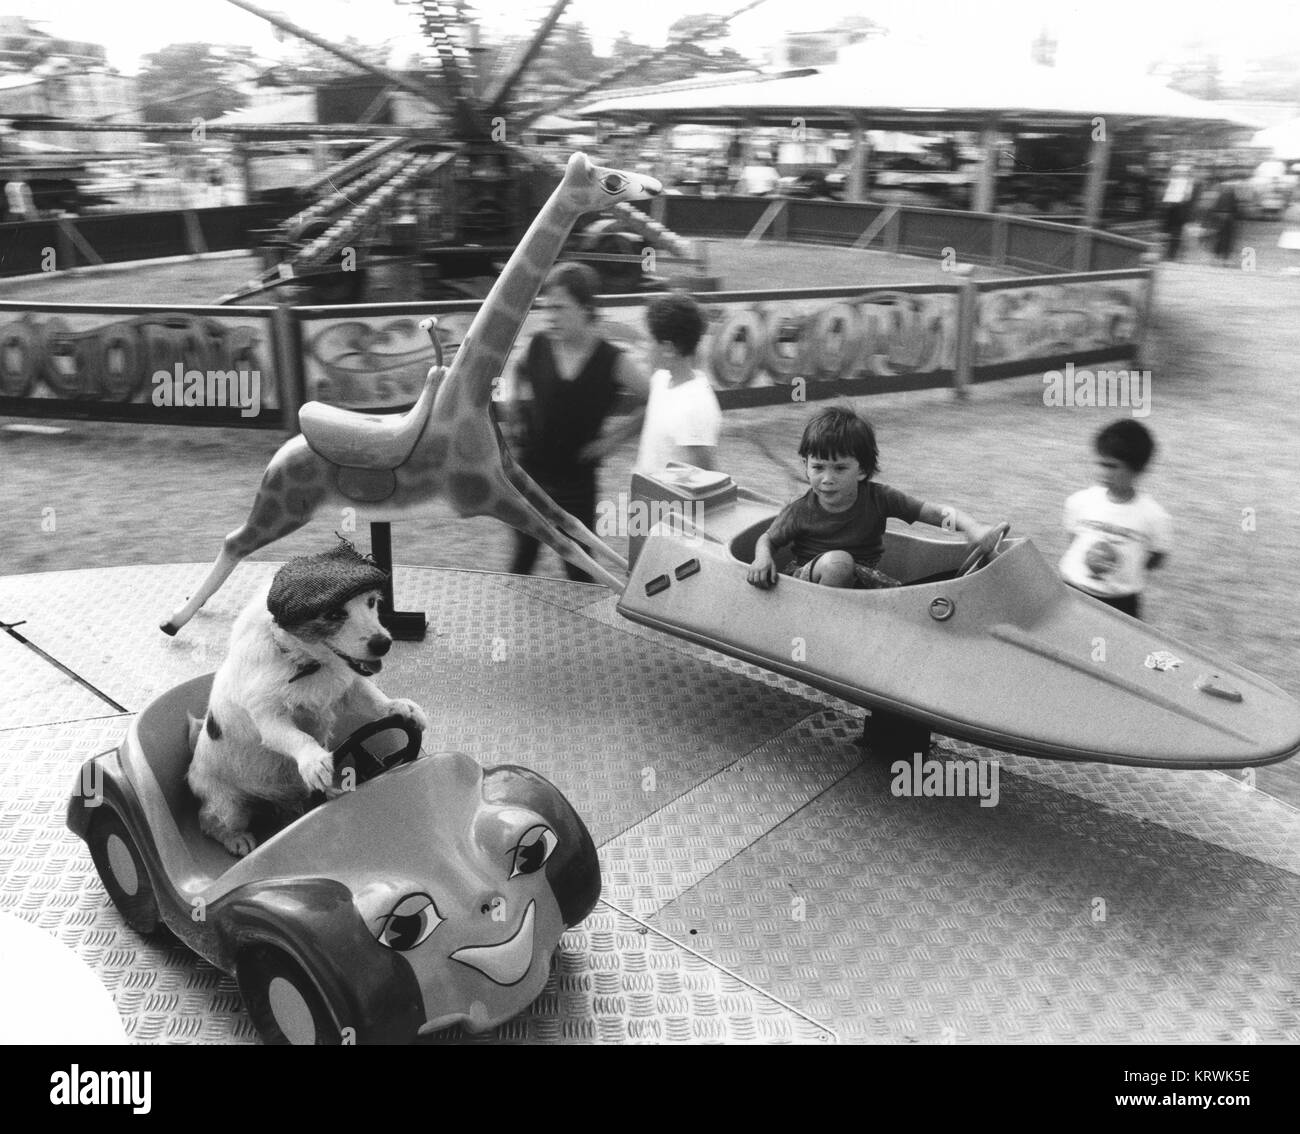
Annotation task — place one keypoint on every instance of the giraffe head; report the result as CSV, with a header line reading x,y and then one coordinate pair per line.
x,y
593,187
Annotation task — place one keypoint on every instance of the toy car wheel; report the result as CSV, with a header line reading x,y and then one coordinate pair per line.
x,y
283,1001
122,870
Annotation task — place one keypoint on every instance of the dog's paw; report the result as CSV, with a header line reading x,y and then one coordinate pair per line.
x,y
410,711
316,766
240,844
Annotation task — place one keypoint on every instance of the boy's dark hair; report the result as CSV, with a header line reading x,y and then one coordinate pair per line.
x,y
839,432
676,318
1128,441
580,281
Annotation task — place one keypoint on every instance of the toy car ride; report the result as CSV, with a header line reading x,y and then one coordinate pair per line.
x,y
434,893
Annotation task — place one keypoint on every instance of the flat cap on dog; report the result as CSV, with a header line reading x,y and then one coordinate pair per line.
x,y
310,585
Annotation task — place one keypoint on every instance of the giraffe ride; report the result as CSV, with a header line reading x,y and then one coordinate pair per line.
x,y
448,444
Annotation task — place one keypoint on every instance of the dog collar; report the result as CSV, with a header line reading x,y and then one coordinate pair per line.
x,y
306,669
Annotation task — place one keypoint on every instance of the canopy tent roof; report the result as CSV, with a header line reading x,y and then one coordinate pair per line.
x,y
886,84
292,108
1283,139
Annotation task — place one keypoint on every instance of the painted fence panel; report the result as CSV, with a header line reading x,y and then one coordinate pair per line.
x,y
759,348
218,364
1042,324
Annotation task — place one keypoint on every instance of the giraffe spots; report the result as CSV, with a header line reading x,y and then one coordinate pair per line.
x,y
301,471
301,505
433,452
469,490
448,398
267,513
366,486
471,447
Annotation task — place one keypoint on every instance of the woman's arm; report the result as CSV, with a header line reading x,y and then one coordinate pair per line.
x,y
512,414
635,382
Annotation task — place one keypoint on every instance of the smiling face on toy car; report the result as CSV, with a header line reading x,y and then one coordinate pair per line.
x,y
480,890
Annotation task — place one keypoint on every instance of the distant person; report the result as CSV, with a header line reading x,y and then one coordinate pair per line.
x,y
837,528
1289,240
566,385
682,418
1179,195
760,178
19,202
1117,532
1225,212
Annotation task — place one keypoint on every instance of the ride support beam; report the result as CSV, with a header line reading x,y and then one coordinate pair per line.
x,y
496,100
855,190
986,183
1094,191
420,92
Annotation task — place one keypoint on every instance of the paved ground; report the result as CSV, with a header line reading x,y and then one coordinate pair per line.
x,y
1224,412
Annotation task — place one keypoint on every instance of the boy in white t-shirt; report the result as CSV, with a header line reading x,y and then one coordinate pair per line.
x,y
1117,533
682,415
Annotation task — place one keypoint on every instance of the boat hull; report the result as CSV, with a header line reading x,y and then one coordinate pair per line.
x,y
1009,656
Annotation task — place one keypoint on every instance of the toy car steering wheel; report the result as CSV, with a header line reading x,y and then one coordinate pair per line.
x,y
353,755
978,559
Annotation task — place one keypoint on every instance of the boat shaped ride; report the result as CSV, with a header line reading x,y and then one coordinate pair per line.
x,y
1006,655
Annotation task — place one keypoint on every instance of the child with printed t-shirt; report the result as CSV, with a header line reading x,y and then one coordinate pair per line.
x,y
837,527
682,417
1117,533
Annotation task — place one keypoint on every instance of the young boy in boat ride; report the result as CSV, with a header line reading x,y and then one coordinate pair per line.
x,y
1117,532
837,527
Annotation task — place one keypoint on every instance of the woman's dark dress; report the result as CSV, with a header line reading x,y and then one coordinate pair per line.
x,y
562,417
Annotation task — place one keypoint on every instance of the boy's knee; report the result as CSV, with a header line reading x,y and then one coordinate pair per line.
x,y
835,569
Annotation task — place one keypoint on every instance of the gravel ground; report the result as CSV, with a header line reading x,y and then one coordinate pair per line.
x,y
1224,411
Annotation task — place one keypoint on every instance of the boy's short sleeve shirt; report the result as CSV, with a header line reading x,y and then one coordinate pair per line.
x,y
859,530
1111,542
676,418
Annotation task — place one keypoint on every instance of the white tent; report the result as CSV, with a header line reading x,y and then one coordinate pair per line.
x,y
889,84
291,109
1283,139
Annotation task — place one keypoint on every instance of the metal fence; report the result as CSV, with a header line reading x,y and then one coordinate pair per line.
x,y
254,366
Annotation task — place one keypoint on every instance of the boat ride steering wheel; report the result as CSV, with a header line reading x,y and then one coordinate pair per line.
x,y
977,558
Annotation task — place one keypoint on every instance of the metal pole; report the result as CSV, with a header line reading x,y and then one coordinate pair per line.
x,y
986,186
855,191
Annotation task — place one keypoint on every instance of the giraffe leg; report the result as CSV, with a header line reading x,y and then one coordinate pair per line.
x,y
514,508
276,512
572,527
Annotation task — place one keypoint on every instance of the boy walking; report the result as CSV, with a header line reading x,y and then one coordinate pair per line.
x,y
1117,532
682,415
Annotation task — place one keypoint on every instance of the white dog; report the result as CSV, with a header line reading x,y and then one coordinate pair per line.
x,y
297,663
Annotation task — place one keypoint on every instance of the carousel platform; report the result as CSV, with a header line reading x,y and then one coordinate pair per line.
x,y
762,884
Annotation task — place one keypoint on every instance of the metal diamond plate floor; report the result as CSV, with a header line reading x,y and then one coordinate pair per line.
x,y
762,883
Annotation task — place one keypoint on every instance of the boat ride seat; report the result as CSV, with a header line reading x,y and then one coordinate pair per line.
x,y
742,546
365,440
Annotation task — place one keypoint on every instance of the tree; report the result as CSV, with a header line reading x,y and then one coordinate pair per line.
x,y
568,59
194,80
308,58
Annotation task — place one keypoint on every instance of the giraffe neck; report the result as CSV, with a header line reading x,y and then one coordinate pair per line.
x,y
482,354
